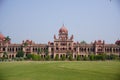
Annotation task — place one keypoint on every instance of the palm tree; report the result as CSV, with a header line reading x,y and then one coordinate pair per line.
x,y
7,39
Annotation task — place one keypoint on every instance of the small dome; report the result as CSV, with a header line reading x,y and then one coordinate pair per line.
x,y
1,36
63,29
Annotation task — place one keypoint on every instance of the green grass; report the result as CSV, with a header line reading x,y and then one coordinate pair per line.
x,y
58,70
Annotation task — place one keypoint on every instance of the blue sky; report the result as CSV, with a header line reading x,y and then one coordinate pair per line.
x,y
39,20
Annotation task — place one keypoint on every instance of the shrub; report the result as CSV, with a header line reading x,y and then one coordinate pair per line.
x,y
113,57
103,56
20,54
57,57
63,57
35,57
29,56
78,57
70,57
85,58
47,57
92,57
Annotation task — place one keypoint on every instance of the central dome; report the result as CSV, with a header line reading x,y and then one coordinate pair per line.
x,y
63,29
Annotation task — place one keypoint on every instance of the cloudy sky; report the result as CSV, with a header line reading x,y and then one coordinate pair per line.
x,y
39,20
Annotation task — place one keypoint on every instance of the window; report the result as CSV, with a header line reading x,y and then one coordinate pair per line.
x,y
56,44
3,49
69,44
57,48
69,48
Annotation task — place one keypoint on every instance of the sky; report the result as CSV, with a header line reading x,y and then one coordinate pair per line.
x,y
39,20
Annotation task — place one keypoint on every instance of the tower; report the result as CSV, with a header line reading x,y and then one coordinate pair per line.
x,y
63,33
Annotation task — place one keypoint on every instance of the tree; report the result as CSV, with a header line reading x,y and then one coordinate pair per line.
x,y
103,56
63,57
29,56
46,51
20,54
35,57
98,57
68,53
7,39
78,57
70,57
57,57
113,57
85,58
92,57
47,57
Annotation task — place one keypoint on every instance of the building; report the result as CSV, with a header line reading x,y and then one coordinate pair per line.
x,y
62,45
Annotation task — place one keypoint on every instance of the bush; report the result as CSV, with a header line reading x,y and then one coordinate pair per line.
x,y
20,54
70,57
63,57
86,58
35,57
113,57
98,57
78,57
92,57
57,57
103,56
47,57
29,56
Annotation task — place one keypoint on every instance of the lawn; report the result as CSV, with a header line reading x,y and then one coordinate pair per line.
x,y
58,70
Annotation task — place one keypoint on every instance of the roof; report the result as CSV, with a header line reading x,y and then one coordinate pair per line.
x,y
63,29
2,36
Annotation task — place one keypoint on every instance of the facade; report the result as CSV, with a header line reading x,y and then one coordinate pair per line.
x,y
62,45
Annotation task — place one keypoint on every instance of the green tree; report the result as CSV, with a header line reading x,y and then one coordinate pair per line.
x,y
47,57
63,57
20,54
85,58
7,39
113,57
35,57
46,51
70,57
57,57
78,57
29,56
103,56
92,57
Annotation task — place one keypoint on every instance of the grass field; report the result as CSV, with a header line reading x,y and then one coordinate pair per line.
x,y
58,70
